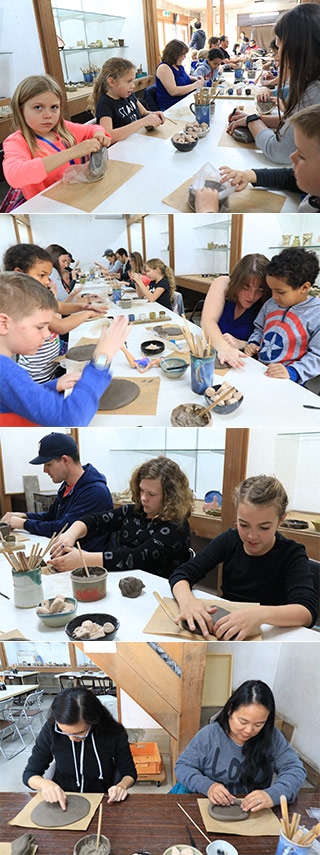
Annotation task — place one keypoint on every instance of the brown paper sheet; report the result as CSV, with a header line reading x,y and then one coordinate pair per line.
x,y
164,132
87,197
24,820
227,141
81,341
147,401
5,849
262,823
12,635
253,201
248,201
160,624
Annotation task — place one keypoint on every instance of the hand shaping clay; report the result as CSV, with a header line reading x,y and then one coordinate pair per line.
x,y
214,617
131,587
81,352
228,813
98,162
118,393
49,815
243,135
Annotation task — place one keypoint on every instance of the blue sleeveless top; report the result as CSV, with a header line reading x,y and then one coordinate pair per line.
x,y
181,78
241,327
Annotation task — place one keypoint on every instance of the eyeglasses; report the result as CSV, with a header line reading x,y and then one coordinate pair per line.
x,y
74,735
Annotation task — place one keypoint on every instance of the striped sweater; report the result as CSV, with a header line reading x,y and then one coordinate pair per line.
x,y
290,336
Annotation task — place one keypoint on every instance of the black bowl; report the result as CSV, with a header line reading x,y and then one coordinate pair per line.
x,y
153,351
97,618
185,146
225,409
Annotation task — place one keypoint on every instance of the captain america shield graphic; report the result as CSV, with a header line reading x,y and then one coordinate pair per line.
x,y
284,339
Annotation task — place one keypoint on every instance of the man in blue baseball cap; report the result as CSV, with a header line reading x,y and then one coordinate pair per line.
x,y
83,490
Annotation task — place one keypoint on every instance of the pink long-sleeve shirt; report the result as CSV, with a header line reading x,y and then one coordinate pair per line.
x,y
28,173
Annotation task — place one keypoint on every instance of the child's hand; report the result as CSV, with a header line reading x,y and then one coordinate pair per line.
x,y
136,277
85,147
112,338
207,201
101,137
161,116
67,381
239,179
251,349
69,560
237,121
151,120
241,623
200,83
277,370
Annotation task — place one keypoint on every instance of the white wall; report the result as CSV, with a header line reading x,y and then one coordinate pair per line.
x,y
271,230
18,34
134,716
190,241
7,234
252,661
85,235
18,446
291,457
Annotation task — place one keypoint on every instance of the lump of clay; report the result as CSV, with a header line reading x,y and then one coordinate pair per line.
x,y
209,182
228,813
108,627
92,630
214,394
185,137
131,587
58,606
98,162
243,135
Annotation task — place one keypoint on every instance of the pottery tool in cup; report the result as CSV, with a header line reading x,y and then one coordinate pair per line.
x,y
194,823
285,816
83,559
99,827
198,345
224,397
310,836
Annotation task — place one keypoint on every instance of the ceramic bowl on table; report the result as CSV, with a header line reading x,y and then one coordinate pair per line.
x,y
173,367
190,415
184,146
99,618
221,846
222,409
152,347
90,841
59,618
180,847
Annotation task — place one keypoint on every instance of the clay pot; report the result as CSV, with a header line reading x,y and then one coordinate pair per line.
x,y
5,529
87,590
27,588
91,839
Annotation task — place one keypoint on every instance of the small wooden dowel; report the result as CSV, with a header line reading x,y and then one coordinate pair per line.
x,y
49,544
165,608
225,397
194,823
99,827
83,559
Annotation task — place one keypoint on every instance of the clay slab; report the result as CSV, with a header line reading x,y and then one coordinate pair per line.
x,y
228,813
49,815
118,394
81,353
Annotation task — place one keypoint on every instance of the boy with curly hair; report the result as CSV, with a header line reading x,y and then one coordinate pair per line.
x,y
287,329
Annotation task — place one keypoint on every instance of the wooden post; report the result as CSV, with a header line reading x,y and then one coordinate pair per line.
x,y
209,19
49,45
151,34
221,17
235,468
171,240
236,240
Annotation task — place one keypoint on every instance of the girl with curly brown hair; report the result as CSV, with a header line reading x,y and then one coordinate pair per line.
x,y
153,533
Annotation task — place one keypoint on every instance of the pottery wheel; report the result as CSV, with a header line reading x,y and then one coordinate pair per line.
x,y
81,352
119,393
47,815
243,135
228,813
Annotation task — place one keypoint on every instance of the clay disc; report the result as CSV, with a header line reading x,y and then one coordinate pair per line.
x,y
81,352
47,815
243,135
119,393
228,813
170,332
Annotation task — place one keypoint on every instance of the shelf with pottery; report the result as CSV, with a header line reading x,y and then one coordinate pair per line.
x,y
221,224
302,246
87,29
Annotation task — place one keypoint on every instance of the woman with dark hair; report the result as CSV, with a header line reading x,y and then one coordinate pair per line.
x,y
153,533
90,750
137,266
298,38
172,81
60,275
231,306
240,752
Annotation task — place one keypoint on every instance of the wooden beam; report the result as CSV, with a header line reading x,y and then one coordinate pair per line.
x,y
3,656
5,500
209,19
235,468
236,240
49,45
221,23
143,235
151,34
171,241
72,654
16,228
128,234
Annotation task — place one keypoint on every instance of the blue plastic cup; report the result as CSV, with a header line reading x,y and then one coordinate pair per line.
x,y
202,371
286,846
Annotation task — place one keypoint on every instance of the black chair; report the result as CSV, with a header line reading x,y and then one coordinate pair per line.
x,y
150,97
315,570
197,308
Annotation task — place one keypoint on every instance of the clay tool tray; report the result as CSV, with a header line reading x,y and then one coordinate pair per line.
x,y
87,197
20,538
147,400
164,132
248,201
262,823
154,321
160,624
23,818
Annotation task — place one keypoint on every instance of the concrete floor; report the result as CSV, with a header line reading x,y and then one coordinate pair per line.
x,y
11,770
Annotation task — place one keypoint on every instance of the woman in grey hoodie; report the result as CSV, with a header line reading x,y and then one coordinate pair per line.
x,y
240,752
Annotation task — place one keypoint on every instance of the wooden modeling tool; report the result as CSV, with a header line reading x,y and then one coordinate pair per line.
x,y
83,559
193,822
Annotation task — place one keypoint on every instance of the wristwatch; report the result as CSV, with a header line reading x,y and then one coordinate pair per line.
x,y
101,361
253,118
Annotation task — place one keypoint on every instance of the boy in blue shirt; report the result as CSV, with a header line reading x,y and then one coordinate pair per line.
x,y
287,329
26,310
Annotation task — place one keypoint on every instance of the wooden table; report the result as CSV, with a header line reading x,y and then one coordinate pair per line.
x,y
143,822
15,691
164,168
132,619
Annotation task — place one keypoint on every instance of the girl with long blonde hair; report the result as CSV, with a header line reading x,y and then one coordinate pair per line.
x,y
44,143
115,106
161,288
